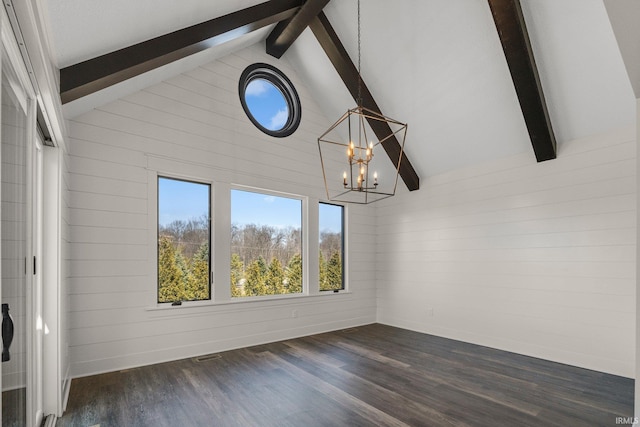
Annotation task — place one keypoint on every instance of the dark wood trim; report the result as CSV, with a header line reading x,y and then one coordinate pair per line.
x,y
286,32
339,57
509,20
98,73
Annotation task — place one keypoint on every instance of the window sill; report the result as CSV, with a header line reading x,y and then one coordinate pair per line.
x,y
264,300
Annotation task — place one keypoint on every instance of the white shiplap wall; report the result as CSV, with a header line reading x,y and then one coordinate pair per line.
x,y
13,229
193,124
537,259
65,272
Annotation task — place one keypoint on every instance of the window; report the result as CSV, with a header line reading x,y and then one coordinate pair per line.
x,y
331,220
262,232
184,230
269,100
266,244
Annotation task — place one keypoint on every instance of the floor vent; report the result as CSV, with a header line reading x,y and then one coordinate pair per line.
x,y
349,331
207,357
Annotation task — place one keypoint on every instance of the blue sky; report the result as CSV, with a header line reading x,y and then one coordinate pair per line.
x,y
330,218
185,200
264,209
267,104
181,200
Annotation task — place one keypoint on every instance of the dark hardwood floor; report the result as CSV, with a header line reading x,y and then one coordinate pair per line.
x,y
14,408
373,375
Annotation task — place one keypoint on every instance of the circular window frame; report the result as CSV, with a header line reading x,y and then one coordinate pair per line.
x,y
283,84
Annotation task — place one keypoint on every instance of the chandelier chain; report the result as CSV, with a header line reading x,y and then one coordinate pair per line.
x,y
359,75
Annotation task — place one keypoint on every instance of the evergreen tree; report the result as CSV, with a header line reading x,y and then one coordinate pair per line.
x,y
170,275
184,265
262,264
254,284
237,273
238,291
181,262
198,288
274,278
293,275
323,273
334,272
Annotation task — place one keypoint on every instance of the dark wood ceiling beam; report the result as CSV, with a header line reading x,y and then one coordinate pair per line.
x,y
286,32
339,57
98,73
509,20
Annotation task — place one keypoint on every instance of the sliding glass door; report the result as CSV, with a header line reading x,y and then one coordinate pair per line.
x,y
20,241
14,224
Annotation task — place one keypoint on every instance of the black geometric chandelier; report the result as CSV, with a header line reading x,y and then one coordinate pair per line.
x,y
351,144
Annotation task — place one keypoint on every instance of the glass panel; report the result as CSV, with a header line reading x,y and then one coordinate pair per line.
x,y
13,233
266,104
266,244
331,247
184,233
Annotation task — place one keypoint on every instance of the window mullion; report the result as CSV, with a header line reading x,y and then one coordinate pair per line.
x,y
311,244
222,242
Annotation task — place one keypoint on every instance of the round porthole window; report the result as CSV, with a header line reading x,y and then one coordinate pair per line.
x,y
270,100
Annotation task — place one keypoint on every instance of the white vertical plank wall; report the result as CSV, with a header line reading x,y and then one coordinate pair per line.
x,y
533,258
193,123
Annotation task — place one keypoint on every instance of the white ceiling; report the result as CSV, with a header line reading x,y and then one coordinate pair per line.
x,y
84,29
625,16
436,64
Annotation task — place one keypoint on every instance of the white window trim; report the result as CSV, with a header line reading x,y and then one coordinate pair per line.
x,y
152,211
305,239
345,235
220,249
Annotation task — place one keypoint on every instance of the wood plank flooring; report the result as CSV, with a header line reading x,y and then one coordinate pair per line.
x,y
373,375
14,404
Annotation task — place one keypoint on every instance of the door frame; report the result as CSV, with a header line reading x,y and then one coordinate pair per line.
x,y
10,52
36,355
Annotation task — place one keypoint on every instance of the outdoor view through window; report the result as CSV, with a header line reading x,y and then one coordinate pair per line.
x,y
331,247
266,244
266,104
184,231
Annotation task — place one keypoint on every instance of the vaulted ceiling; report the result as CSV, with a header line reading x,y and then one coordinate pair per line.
x,y
437,64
